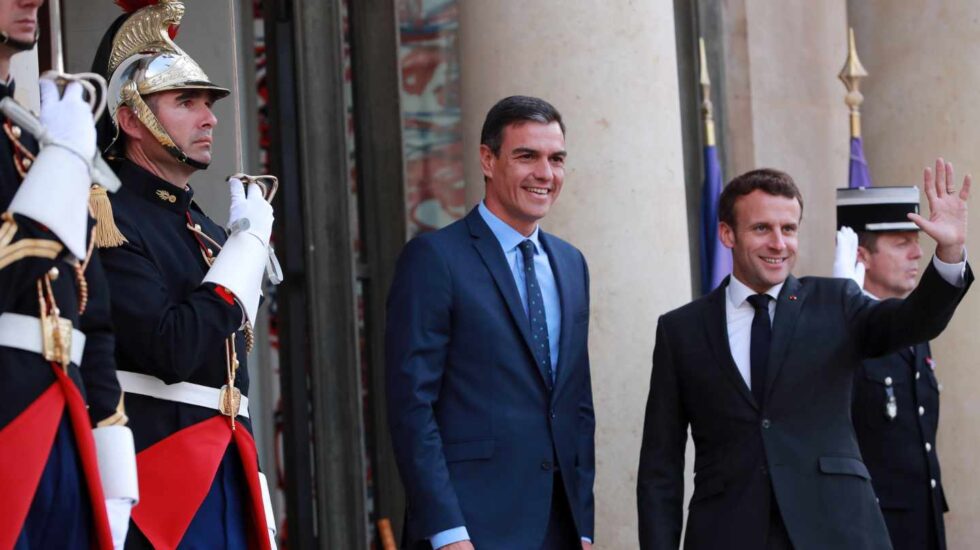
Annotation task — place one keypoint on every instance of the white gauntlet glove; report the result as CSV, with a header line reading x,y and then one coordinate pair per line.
x,y
117,470
270,520
846,265
55,190
239,265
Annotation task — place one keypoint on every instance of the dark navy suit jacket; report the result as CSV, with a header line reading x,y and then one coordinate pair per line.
x,y
800,445
477,427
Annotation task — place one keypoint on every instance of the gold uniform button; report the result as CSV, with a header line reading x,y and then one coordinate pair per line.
x,y
922,411
15,130
27,163
53,273
888,380
928,447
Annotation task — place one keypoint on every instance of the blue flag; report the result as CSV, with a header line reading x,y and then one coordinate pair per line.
x,y
859,174
716,259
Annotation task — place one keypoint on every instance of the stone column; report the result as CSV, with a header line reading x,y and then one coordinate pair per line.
x,y
785,107
610,68
920,102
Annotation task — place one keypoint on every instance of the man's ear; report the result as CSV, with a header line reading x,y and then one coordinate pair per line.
x,y
128,122
726,234
487,158
864,256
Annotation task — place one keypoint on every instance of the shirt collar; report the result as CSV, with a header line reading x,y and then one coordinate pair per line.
x,y
152,188
738,292
507,236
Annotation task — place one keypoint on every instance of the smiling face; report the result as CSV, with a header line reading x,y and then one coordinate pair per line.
x,y
524,180
892,269
764,239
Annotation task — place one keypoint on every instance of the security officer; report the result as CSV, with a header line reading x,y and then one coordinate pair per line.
x,y
57,371
183,295
896,397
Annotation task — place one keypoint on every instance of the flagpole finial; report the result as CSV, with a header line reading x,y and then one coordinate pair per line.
x,y
706,107
851,76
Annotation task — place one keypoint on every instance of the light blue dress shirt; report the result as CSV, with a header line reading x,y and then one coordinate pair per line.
x,y
509,239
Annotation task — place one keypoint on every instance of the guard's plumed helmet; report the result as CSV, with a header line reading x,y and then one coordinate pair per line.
x,y
138,57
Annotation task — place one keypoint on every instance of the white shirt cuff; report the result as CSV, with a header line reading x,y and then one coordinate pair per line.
x,y
449,536
954,274
587,539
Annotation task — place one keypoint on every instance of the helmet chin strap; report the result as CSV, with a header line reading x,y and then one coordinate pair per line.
x,y
20,45
182,157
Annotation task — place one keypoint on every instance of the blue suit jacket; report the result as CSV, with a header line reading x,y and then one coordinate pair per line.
x,y
477,427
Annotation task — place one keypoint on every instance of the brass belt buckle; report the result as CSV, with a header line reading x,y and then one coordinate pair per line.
x,y
56,340
229,401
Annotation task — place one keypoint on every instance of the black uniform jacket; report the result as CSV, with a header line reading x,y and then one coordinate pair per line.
x,y
168,324
32,251
800,447
900,450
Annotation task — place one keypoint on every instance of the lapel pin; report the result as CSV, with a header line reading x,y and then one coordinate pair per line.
x,y
792,297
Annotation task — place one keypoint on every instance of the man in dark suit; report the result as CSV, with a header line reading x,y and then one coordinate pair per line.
x,y
767,395
896,396
488,385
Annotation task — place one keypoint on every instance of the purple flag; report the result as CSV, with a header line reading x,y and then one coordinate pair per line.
x,y
859,174
716,259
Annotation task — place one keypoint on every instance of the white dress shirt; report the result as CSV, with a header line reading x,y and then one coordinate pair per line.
x,y
739,313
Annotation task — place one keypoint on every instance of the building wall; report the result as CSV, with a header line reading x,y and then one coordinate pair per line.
x,y
920,102
785,107
610,68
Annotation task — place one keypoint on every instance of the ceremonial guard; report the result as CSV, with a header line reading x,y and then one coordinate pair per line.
x,y
896,397
66,456
184,295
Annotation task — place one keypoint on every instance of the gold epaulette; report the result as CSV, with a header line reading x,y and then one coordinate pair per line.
x,y
11,251
106,234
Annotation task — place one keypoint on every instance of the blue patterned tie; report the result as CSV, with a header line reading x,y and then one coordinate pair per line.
x,y
535,312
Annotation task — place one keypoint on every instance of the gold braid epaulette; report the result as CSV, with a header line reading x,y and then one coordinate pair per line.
x,y
11,252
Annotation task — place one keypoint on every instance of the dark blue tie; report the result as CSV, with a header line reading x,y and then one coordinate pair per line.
x,y
535,312
759,347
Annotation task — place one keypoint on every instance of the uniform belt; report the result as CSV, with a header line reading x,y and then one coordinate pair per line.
x,y
181,392
23,332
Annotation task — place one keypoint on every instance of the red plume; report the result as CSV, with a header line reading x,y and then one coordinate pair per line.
x,y
130,6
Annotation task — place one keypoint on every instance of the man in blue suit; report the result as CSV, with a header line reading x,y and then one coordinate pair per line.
x,y
488,385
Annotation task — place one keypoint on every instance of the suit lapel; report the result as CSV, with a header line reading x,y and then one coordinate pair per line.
x,y
488,247
788,308
561,268
716,326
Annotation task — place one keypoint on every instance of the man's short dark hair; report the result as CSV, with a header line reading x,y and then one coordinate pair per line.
x,y
768,180
516,109
869,240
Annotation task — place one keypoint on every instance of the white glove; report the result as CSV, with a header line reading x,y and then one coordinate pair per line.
x,y
250,213
68,119
846,264
117,470
270,520
55,190
239,265
119,511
